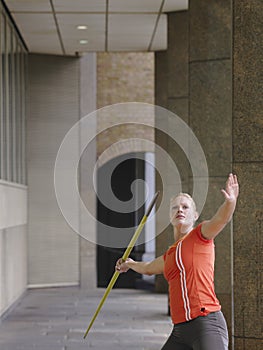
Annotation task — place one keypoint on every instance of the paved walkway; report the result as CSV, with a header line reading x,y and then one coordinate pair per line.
x,y
57,318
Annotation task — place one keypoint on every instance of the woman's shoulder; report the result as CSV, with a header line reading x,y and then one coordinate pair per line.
x,y
196,234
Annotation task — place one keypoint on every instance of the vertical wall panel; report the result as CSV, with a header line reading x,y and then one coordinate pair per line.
x,y
53,104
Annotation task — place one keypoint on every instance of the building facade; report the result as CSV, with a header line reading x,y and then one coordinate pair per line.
x,y
209,76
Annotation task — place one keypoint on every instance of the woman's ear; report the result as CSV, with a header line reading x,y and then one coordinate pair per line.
x,y
196,216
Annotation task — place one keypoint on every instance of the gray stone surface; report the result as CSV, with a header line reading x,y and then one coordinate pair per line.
x,y
177,54
247,81
210,27
247,163
210,112
172,92
248,252
57,318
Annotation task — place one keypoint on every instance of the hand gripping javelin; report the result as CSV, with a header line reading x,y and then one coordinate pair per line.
x,y
124,257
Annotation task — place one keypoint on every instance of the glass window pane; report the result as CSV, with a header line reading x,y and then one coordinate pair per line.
x,y
1,96
18,113
12,103
4,102
23,114
12,108
8,103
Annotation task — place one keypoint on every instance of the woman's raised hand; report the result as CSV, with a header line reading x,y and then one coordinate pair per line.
x,y
231,190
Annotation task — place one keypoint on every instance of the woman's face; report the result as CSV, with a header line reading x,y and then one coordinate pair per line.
x,y
182,212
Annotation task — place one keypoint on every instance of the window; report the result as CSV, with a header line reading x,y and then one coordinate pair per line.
x,y
12,102
2,45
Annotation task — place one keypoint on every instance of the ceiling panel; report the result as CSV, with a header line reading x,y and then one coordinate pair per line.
x,y
127,29
71,36
131,24
39,32
175,5
29,5
80,5
134,5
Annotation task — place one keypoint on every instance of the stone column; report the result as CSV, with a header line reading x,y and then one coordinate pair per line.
x,y
225,114
193,79
211,119
172,93
248,164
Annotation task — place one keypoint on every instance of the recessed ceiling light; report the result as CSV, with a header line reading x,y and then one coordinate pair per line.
x,y
83,41
82,27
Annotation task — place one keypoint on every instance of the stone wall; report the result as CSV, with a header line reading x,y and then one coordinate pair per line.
x,y
123,77
248,164
172,93
210,102
221,100
193,80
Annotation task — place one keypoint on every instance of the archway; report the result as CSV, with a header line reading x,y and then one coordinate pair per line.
x,y
120,173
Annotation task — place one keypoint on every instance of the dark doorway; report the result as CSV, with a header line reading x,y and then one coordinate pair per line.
x,y
120,174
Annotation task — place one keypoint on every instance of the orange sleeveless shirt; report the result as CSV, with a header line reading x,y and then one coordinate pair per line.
x,y
189,270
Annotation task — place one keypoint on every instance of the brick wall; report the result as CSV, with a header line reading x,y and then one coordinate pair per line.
x,y
123,77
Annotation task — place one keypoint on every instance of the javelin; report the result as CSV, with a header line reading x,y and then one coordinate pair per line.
x,y
124,257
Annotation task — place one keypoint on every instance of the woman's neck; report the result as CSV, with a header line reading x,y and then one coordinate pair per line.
x,y
180,233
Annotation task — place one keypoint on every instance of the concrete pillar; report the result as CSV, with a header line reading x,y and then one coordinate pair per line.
x,y
61,91
88,87
53,108
149,227
210,108
225,114
193,80
247,163
172,93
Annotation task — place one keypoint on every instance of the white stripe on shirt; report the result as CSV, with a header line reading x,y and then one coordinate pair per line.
x,y
180,265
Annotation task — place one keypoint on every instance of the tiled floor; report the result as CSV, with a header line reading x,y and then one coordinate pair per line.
x,y
57,318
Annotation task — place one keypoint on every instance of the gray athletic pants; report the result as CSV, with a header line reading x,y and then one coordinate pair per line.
x,y
203,333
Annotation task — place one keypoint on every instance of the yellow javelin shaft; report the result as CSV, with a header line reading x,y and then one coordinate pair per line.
x,y
124,257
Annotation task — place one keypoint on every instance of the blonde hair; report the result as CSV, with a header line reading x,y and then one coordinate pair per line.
x,y
182,194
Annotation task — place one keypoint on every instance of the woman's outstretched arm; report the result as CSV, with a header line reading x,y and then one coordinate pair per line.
x,y
211,228
153,267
